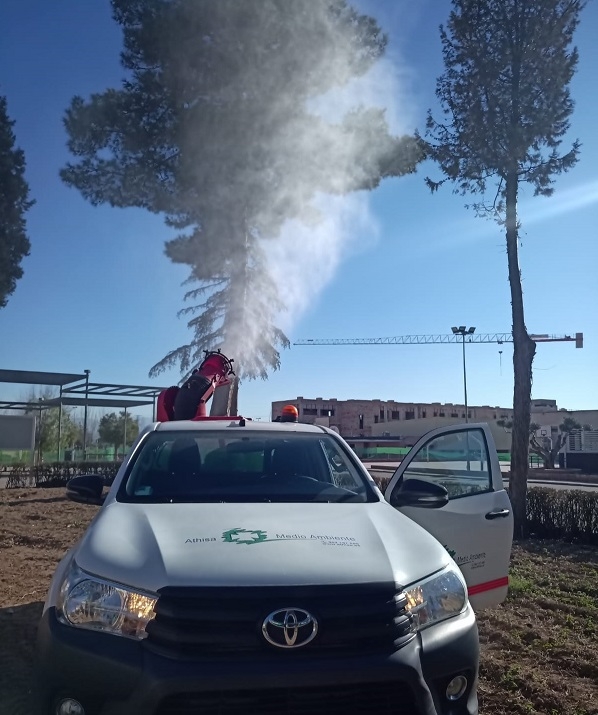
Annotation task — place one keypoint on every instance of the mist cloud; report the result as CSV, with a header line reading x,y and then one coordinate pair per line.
x,y
304,260
306,256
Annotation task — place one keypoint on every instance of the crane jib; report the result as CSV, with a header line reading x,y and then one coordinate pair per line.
x,y
499,338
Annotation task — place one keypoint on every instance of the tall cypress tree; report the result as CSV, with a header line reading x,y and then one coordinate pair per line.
x,y
14,204
507,105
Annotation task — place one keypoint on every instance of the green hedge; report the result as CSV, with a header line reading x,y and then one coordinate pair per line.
x,y
56,474
571,515
59,473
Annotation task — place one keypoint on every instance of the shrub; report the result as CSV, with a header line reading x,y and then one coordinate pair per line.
x,y
570,515
57,474
381,481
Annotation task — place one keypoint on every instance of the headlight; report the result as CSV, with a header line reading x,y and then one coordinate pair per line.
x,y
86,601
436,598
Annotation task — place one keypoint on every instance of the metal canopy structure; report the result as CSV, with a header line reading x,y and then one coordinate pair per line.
x,y
46,404
94,402
29,377
105,394
25,406
98,388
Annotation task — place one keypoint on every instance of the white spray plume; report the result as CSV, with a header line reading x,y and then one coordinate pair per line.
x,y
305,117
305,258
385,85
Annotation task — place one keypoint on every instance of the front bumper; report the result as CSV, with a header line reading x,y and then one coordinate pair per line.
x,y
110,675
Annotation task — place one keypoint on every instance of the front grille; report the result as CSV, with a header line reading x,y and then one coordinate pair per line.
x,y
378,698
197,622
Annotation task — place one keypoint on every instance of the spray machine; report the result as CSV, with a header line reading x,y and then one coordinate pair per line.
x,y
188,402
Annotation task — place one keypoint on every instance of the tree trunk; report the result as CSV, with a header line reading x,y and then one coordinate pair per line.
x,y
524,349
548,455
543,454
554,452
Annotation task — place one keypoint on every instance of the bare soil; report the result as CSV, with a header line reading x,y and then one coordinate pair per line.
x,y
539,649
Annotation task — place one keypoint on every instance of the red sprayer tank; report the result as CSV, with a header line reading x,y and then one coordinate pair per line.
x,y
189,401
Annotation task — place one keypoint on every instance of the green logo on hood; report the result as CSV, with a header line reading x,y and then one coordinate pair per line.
x,y
450,551
244,536
257,536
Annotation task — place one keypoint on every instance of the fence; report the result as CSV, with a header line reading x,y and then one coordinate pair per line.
x,y
581,451
94,454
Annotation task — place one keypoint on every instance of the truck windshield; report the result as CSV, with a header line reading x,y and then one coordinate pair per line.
x,y
207,466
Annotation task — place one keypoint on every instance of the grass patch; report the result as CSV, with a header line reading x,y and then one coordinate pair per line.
x,y
540,648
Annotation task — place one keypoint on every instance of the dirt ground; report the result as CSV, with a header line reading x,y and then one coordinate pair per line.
x,y
539,649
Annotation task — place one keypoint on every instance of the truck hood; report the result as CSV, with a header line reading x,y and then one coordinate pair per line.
x,y
149,546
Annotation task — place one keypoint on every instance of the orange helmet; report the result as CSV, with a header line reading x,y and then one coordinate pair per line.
x,y
289,414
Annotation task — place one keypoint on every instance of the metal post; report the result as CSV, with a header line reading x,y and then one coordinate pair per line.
x,y
462,330
85,415
59,424
39,433
125,435
465,381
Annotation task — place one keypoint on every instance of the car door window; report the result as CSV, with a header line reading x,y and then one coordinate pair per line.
x,y
457,461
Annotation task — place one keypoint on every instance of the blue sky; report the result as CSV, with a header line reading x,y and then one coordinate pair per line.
x,y
98,292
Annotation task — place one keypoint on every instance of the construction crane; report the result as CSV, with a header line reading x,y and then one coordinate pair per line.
x,y
455,337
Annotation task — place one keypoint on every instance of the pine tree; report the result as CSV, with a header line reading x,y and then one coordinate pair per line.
x,y
212,128
14,204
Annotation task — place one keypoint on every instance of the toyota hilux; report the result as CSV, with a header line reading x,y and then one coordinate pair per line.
x,y
248,567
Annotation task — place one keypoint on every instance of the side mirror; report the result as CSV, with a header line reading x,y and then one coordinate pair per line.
x,y
417,492
86,489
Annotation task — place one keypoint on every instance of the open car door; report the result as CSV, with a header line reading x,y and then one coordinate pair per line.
x,y
476,524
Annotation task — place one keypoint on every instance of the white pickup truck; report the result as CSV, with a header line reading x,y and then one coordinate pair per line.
x,y
242,567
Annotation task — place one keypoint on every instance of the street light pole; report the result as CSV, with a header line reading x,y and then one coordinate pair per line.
x,y
465,380
463,331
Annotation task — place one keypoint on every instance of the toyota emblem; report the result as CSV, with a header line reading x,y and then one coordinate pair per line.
x,y
289,628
